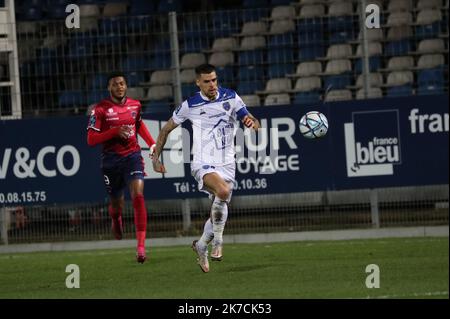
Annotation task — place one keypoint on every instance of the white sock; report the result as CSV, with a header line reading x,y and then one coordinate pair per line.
x,y
219,213
207,236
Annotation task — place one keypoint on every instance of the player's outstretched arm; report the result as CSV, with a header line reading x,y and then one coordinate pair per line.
x,y
94,137
251,122
160,142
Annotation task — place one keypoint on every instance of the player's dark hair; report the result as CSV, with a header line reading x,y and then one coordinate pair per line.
x,y
115,75
204,69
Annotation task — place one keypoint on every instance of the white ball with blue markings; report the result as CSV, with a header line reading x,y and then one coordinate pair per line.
x,y
313,125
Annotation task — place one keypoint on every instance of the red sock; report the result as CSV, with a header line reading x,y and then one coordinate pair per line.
x,y
140,219
114,213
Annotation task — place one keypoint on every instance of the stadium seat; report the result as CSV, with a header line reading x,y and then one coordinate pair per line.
x,y
188,90
96,96
277,55
399,78
340,81
161,77
251,57
431,46
375,49
224,24
135,63
71,99
308,68
32,13
340,66
339,51
192,60
282,13
187,76
253,28
249,87
114,9
431,81
256,14
139,7
277,99
282,26
429,61
310,98
155,107
375,80
373,35
429,4
136,93
311,11
224,44
280,70
224,73
307,84
308,53
158,93
373,94
343,36
279,2
252,42
89,10
338,95
340,16
169,5
251,100
399,18
220,59
135,78
400,63
401,90
277,85
400,5
428,23
374,64
250,72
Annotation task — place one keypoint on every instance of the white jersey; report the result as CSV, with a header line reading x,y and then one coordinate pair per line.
x,y
214,125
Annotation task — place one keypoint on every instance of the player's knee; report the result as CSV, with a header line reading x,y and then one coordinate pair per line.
x,y
223,192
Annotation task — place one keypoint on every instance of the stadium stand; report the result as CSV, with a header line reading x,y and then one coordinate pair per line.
x,y
252,43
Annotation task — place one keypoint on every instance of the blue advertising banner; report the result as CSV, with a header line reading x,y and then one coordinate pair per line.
x,y
370,144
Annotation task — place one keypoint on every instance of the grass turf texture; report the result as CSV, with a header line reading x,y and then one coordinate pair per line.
x,y
409,268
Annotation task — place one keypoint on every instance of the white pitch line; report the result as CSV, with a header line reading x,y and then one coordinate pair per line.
x,y
414,294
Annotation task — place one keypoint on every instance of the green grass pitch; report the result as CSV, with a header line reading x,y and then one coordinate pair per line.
x,y
409,268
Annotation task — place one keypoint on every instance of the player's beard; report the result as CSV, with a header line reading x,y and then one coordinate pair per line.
x,y
117,97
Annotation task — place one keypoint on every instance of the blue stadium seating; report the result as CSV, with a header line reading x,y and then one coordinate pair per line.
x,y
280,55
139,7
71,98
99,81
249,87
431,81
400,47
311,97
401,90
374,64
152,107
340,81
308,53
337,37
96,96
251,57
280,70
225,73
250,72
135,78
188,90
255,3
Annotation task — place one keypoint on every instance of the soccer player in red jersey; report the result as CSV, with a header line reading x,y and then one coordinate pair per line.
x,y
115,122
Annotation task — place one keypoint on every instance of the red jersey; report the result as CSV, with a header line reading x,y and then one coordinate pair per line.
x,y
106,115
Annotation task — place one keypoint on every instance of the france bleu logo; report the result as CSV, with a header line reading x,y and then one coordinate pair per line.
x,y
372,150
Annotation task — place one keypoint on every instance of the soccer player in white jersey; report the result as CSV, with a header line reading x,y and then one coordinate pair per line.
x,y
214,113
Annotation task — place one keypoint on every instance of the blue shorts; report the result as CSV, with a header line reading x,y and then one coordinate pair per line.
x,y
119,171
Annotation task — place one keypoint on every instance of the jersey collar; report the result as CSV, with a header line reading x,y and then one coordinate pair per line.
x,y
208,100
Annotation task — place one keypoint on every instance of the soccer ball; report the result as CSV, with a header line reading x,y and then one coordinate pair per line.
x,y
313,125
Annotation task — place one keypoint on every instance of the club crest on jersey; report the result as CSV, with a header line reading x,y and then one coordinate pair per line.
x,y
133,114
226,106
92,121
110,110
